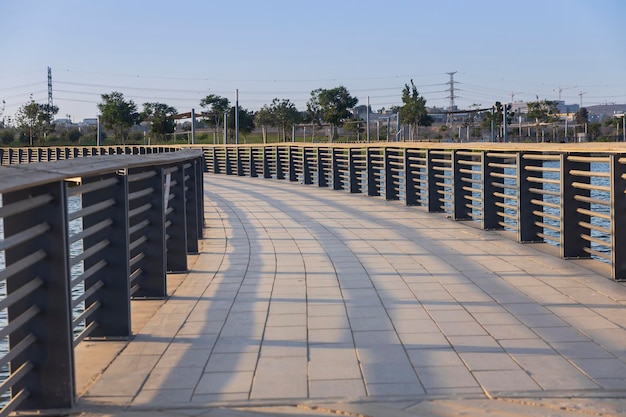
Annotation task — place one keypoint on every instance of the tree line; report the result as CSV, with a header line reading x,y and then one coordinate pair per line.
x,y
332,107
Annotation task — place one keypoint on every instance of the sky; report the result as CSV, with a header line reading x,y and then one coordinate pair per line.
x,y
179,52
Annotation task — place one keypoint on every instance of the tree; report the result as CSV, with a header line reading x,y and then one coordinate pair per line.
x,y
118,114
35,119
161,118
331,106
544,111
215,107
246,121
581,116
284,115
413,110
263,118
7,136
354,126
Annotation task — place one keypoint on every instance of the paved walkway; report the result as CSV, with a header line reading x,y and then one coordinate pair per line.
x,y
338,302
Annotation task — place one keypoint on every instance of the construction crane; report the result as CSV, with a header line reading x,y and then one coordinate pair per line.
x,y
561,89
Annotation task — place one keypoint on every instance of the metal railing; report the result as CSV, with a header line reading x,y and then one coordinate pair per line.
x,y
17,156
568,198
137,218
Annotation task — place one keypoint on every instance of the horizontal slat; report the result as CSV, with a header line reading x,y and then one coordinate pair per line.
x,y
24,236
21,206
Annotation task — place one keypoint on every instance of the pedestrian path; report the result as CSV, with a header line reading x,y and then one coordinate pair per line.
x,y
329,300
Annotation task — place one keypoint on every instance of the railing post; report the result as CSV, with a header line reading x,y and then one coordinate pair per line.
x,y
572,246
460,194
352,171
410,180
293,174
227,161
489,201
113,315
434,205
240,170
372,188
253,162
618,220
266,163
191,184
175,219
148,258
50,382
527,228
306,166
216,162
390,190
280,174
336,176
321,168
200,194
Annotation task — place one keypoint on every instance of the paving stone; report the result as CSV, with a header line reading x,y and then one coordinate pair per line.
x,y
303,297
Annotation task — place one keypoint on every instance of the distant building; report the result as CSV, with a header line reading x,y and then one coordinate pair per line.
x,y
598,113
567,108
90,122
63,122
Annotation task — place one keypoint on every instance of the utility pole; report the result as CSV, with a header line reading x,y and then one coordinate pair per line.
x,y
50,103
451,106
237,116
367,118
581,98
513,93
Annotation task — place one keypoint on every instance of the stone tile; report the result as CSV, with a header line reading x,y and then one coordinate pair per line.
x,y
371,324
323,310
162,397
173,378
434,357
461,329
506,381
416,326
560,334
579,350
509,331
184,358
489,361
284,348
331,364
388,373
382,354
224,382
456,315
395,389
373,338
330,336
284,377
236,345
437,377
602,368
232,362
337,388
328,322
287,320
474,344
285,333
221,397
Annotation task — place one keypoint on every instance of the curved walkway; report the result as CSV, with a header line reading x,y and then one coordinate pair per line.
x,y
309,296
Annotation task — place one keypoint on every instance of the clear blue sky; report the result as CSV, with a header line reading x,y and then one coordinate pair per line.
x,y
178,52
